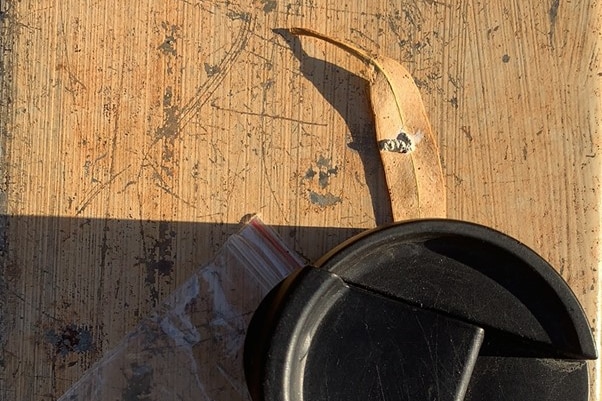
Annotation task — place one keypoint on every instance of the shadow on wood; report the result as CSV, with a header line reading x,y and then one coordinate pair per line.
x,y
71,288
348,95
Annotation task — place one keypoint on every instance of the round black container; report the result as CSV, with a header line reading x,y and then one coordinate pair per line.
x,y
423,310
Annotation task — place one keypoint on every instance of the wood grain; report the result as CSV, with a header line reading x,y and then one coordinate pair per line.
x,y
135,135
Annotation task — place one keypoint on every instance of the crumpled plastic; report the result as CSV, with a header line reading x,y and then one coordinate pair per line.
x,y
191,348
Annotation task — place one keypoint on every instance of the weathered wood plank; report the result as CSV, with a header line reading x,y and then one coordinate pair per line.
x,y
136,134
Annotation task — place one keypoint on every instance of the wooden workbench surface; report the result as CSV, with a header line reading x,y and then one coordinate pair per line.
x,y
135,135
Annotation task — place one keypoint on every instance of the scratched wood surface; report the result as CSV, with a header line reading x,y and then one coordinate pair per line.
x,y
135,135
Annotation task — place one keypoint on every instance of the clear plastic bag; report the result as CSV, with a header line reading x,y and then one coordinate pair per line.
x,y
191,348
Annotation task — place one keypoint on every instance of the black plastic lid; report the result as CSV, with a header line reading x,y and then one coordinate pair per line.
x,y
424,310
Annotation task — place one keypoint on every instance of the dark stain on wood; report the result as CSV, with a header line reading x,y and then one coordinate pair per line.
x,y
167,46
171,113
269,5
159,259
324,200
553,16
72,338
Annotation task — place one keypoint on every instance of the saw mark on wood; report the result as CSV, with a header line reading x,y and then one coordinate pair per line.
x,y
180,118
176,117
96,191
271,116
266,140
113,154
170,192
12,22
